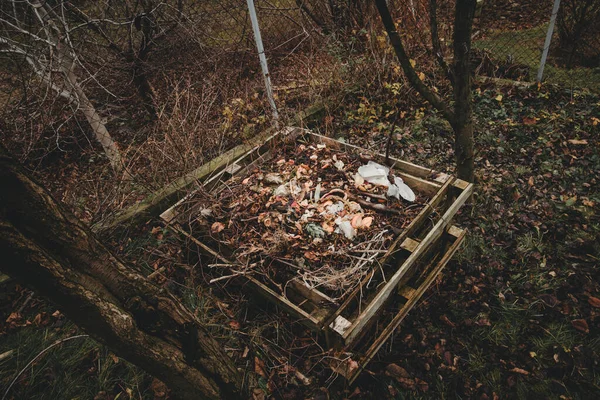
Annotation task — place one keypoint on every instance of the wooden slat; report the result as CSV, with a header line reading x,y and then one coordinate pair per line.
x,y
269,294
409,168
220,168
314,295
407,292
409,244
415,224
280,301
413,298
382,296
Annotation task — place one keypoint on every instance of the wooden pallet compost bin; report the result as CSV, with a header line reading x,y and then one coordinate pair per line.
x,y
356,324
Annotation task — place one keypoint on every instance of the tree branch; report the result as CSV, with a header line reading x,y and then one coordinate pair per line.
x,y
407,67
435,41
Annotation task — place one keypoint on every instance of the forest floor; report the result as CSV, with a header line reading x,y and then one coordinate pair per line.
x,y
516,313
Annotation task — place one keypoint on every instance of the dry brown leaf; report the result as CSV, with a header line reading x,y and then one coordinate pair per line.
x,y
529,121
519,371
549,299
259,367
447,321
217,227
396,371
594,301
356,221
159,389
258,394
581,325
578,141
367,221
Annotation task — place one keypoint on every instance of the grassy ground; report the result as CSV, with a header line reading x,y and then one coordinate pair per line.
x,y
524,47
515,315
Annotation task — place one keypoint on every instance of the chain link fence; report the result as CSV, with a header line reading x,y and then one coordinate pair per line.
x,y
510,39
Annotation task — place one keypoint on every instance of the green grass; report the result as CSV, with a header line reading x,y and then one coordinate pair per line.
x,y
75,369
525,47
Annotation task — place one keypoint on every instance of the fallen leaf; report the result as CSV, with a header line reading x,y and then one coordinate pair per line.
x,y
159,389
396,371
594,301
519,371
259,367
356,221
217,227
581,325
422,385
578,141
499,97
234,325
258,394
367,221
529,121
447,321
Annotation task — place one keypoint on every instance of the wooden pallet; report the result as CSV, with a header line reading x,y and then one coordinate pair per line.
x,y
409,266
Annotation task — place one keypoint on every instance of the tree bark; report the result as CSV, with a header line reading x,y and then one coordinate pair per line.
x,y
460,116
98,127
49,250
463,101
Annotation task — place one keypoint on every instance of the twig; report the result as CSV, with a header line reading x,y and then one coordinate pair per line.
x,y
222,278
376,207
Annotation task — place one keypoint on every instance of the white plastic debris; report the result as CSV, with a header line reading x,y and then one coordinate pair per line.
x,y
375,173
339,164
334,208
318,192
273,178
378,175
346,228
403,189
289,188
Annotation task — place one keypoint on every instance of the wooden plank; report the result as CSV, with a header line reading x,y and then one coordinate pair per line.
x,y
415,224
408,167
409,244
340,324
314,295
413,298
463,185
407,292
212,177
280,301
231,169
269,294
367,316
157,201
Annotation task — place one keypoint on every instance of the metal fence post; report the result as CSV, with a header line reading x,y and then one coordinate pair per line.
x,y
549,34
263,60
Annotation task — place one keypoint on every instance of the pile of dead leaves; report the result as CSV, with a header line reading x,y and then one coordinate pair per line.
x,y
311,212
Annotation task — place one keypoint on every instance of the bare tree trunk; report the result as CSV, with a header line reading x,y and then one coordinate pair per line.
x,y
98,127
461,116
46,248
463,101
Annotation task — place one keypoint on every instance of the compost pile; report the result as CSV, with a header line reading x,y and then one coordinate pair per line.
x,y
309,212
